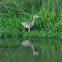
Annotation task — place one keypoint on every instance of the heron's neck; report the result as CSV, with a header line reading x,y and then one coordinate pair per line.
x,y
33,49
33,20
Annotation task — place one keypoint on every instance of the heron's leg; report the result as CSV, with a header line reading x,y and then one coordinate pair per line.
x,y
28,29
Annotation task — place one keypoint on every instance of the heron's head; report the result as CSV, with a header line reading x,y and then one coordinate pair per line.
x,y
36,53
35,16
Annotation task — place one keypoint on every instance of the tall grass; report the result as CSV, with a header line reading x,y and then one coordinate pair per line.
x,y
13,12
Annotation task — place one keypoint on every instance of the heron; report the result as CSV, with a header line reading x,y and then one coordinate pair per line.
x,y
28,43
29,24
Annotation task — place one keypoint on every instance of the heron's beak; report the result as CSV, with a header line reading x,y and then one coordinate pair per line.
x,y
38,16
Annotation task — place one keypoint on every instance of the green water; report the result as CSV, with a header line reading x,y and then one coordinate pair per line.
x,y
50,50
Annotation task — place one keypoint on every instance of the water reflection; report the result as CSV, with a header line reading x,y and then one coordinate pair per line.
x,y
50,50
28,43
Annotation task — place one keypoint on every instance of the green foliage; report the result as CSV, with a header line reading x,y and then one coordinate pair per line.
x,y
13,12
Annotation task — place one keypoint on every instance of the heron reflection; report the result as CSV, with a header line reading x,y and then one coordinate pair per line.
x,y
28,43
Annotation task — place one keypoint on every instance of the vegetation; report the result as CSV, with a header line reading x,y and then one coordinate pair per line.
x,y
13,12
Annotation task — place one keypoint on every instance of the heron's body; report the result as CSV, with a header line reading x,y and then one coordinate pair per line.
x,y
27,43
29,24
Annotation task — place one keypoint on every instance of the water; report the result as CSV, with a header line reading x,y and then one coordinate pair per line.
x,y
50,50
